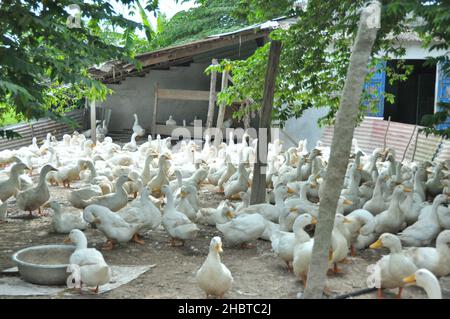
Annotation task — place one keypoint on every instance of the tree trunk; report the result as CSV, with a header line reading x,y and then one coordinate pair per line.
x,y
341,146
258,194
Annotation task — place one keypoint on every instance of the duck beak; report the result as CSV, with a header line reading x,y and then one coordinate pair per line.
x,y
377,244
96,221
410,279
230,214
67,240
218,248
314,221
290,191
360,168
293,210
347,221
407,190
183,194
347,202
313,185
330,255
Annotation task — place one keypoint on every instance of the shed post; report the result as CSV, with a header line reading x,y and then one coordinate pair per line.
x,y
221,114
93,122
155,111
212,96
258,194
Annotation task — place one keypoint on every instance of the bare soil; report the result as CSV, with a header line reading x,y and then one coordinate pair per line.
x,y
257,272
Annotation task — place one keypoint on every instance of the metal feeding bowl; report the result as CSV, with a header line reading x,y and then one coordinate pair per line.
x,y
44,265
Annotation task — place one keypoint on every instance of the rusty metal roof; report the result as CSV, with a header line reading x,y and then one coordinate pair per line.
x,y
39,129
370,135
114,71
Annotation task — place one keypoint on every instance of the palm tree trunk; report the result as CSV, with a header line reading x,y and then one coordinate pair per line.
x,y
341,146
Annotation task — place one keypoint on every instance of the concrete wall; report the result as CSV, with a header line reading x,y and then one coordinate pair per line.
x,y
305,127
136,95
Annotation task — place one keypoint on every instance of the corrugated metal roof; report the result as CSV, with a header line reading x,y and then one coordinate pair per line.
x,y
170,55
370,135
39,129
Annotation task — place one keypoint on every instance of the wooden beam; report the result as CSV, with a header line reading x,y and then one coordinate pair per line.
x,y
93,123
155,112
200,47
258,194
212,96
222,106
186,95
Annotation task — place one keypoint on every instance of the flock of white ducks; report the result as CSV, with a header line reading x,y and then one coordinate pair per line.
x,y
128,190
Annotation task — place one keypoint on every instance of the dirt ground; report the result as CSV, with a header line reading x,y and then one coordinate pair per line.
x,y
257,272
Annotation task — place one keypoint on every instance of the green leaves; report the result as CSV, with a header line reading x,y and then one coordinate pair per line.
x,y
316,52
39,53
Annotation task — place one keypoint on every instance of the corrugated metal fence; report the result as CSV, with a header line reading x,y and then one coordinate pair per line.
x,y
39,129
370,135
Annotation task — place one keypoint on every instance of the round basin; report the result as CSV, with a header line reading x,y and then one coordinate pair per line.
x,y
44,265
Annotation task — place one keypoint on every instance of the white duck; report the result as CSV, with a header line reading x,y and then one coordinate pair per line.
x,y
213,277
179,227
11,186
268,211
171,121
3,211
114,227
94,271
360,223
425,279
393,267
33,198
132,145
137,129
392,220
283,243
435,259
113,201
243,229
426,228
64,222
240,185
184,205
376,204
212,216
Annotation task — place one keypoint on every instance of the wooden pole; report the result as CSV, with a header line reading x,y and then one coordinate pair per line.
x,y
409,142
386,133
258,194
93,123
155,111
212,96
222,106
415,146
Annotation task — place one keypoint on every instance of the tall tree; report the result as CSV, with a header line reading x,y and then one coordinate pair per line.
x,y
341,146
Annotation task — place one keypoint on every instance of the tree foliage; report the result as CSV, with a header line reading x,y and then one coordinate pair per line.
x,y
38,47
316,52
210,17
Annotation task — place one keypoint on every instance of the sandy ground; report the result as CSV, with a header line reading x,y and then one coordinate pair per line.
x,y
257,272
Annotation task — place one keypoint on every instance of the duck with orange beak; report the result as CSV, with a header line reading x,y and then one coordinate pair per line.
x,y
94,271
393,267
213,277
